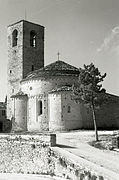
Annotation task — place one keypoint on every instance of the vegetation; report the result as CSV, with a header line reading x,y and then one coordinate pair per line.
x,y
90,89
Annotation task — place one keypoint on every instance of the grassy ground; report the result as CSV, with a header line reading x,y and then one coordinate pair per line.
x,y
105,142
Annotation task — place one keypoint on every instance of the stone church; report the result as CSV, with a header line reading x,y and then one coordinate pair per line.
x,y
40,98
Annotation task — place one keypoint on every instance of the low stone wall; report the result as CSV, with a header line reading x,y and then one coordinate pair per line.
x,y
25,153
70,166
33,154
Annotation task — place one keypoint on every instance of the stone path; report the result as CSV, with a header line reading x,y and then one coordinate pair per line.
x,y
70,142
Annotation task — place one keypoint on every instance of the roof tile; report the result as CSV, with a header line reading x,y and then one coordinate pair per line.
x,y
58,68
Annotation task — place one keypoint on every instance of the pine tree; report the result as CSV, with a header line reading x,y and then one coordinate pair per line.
x,y
90,89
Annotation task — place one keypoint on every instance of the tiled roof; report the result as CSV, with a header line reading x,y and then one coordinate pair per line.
x,y
58,68
24,21
20,93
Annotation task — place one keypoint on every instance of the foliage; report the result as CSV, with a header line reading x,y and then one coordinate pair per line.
x,y
90,89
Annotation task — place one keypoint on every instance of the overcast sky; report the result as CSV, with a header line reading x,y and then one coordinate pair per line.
x,y
83,31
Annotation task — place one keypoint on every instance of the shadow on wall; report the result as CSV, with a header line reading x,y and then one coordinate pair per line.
x,y
5,126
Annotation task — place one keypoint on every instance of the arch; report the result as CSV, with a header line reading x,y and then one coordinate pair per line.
x,y
69,109
33,38
14,38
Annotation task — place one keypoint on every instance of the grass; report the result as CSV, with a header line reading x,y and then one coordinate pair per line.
x,y
105,142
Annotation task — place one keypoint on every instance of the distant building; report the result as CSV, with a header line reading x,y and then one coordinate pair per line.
x,y
5,125
2,115
40,97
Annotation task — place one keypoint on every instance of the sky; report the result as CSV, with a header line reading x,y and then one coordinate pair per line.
x,y
83,31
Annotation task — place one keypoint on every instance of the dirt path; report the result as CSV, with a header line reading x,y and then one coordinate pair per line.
x,y
76,143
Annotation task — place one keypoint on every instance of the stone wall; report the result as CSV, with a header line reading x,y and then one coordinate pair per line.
x,y
25,153
38,89
33,154
108,115
19,122
71,111
43,85
72,167
55,112
15,59
61,118
32,56
36,121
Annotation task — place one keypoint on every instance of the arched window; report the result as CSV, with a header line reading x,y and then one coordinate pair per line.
x,y
14,38
32,68
40,107
33,38
69,109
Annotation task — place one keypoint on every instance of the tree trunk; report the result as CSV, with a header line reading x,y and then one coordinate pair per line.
x,y
94,121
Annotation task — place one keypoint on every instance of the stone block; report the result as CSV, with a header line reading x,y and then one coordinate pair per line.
x,y
53,140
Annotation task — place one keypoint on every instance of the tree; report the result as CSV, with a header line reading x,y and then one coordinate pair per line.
x,y
5,99
90,89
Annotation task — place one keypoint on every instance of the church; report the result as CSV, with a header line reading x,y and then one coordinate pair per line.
x,y
40,98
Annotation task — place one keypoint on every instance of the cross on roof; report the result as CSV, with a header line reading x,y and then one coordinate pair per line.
x,y
58,54
25,14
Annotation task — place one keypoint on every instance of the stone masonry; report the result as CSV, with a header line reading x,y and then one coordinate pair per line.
x,y
23,58
33,154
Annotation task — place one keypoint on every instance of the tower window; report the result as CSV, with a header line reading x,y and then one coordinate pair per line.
x,y
33,38
69,109
14,38
32,68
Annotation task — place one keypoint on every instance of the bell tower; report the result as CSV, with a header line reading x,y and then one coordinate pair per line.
x,y
25,54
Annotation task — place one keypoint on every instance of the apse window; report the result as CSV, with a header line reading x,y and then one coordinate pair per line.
x,y
14,38
33,38
69,109
40,107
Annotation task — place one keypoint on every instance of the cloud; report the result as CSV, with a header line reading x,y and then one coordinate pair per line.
x,y
115,30
111,41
